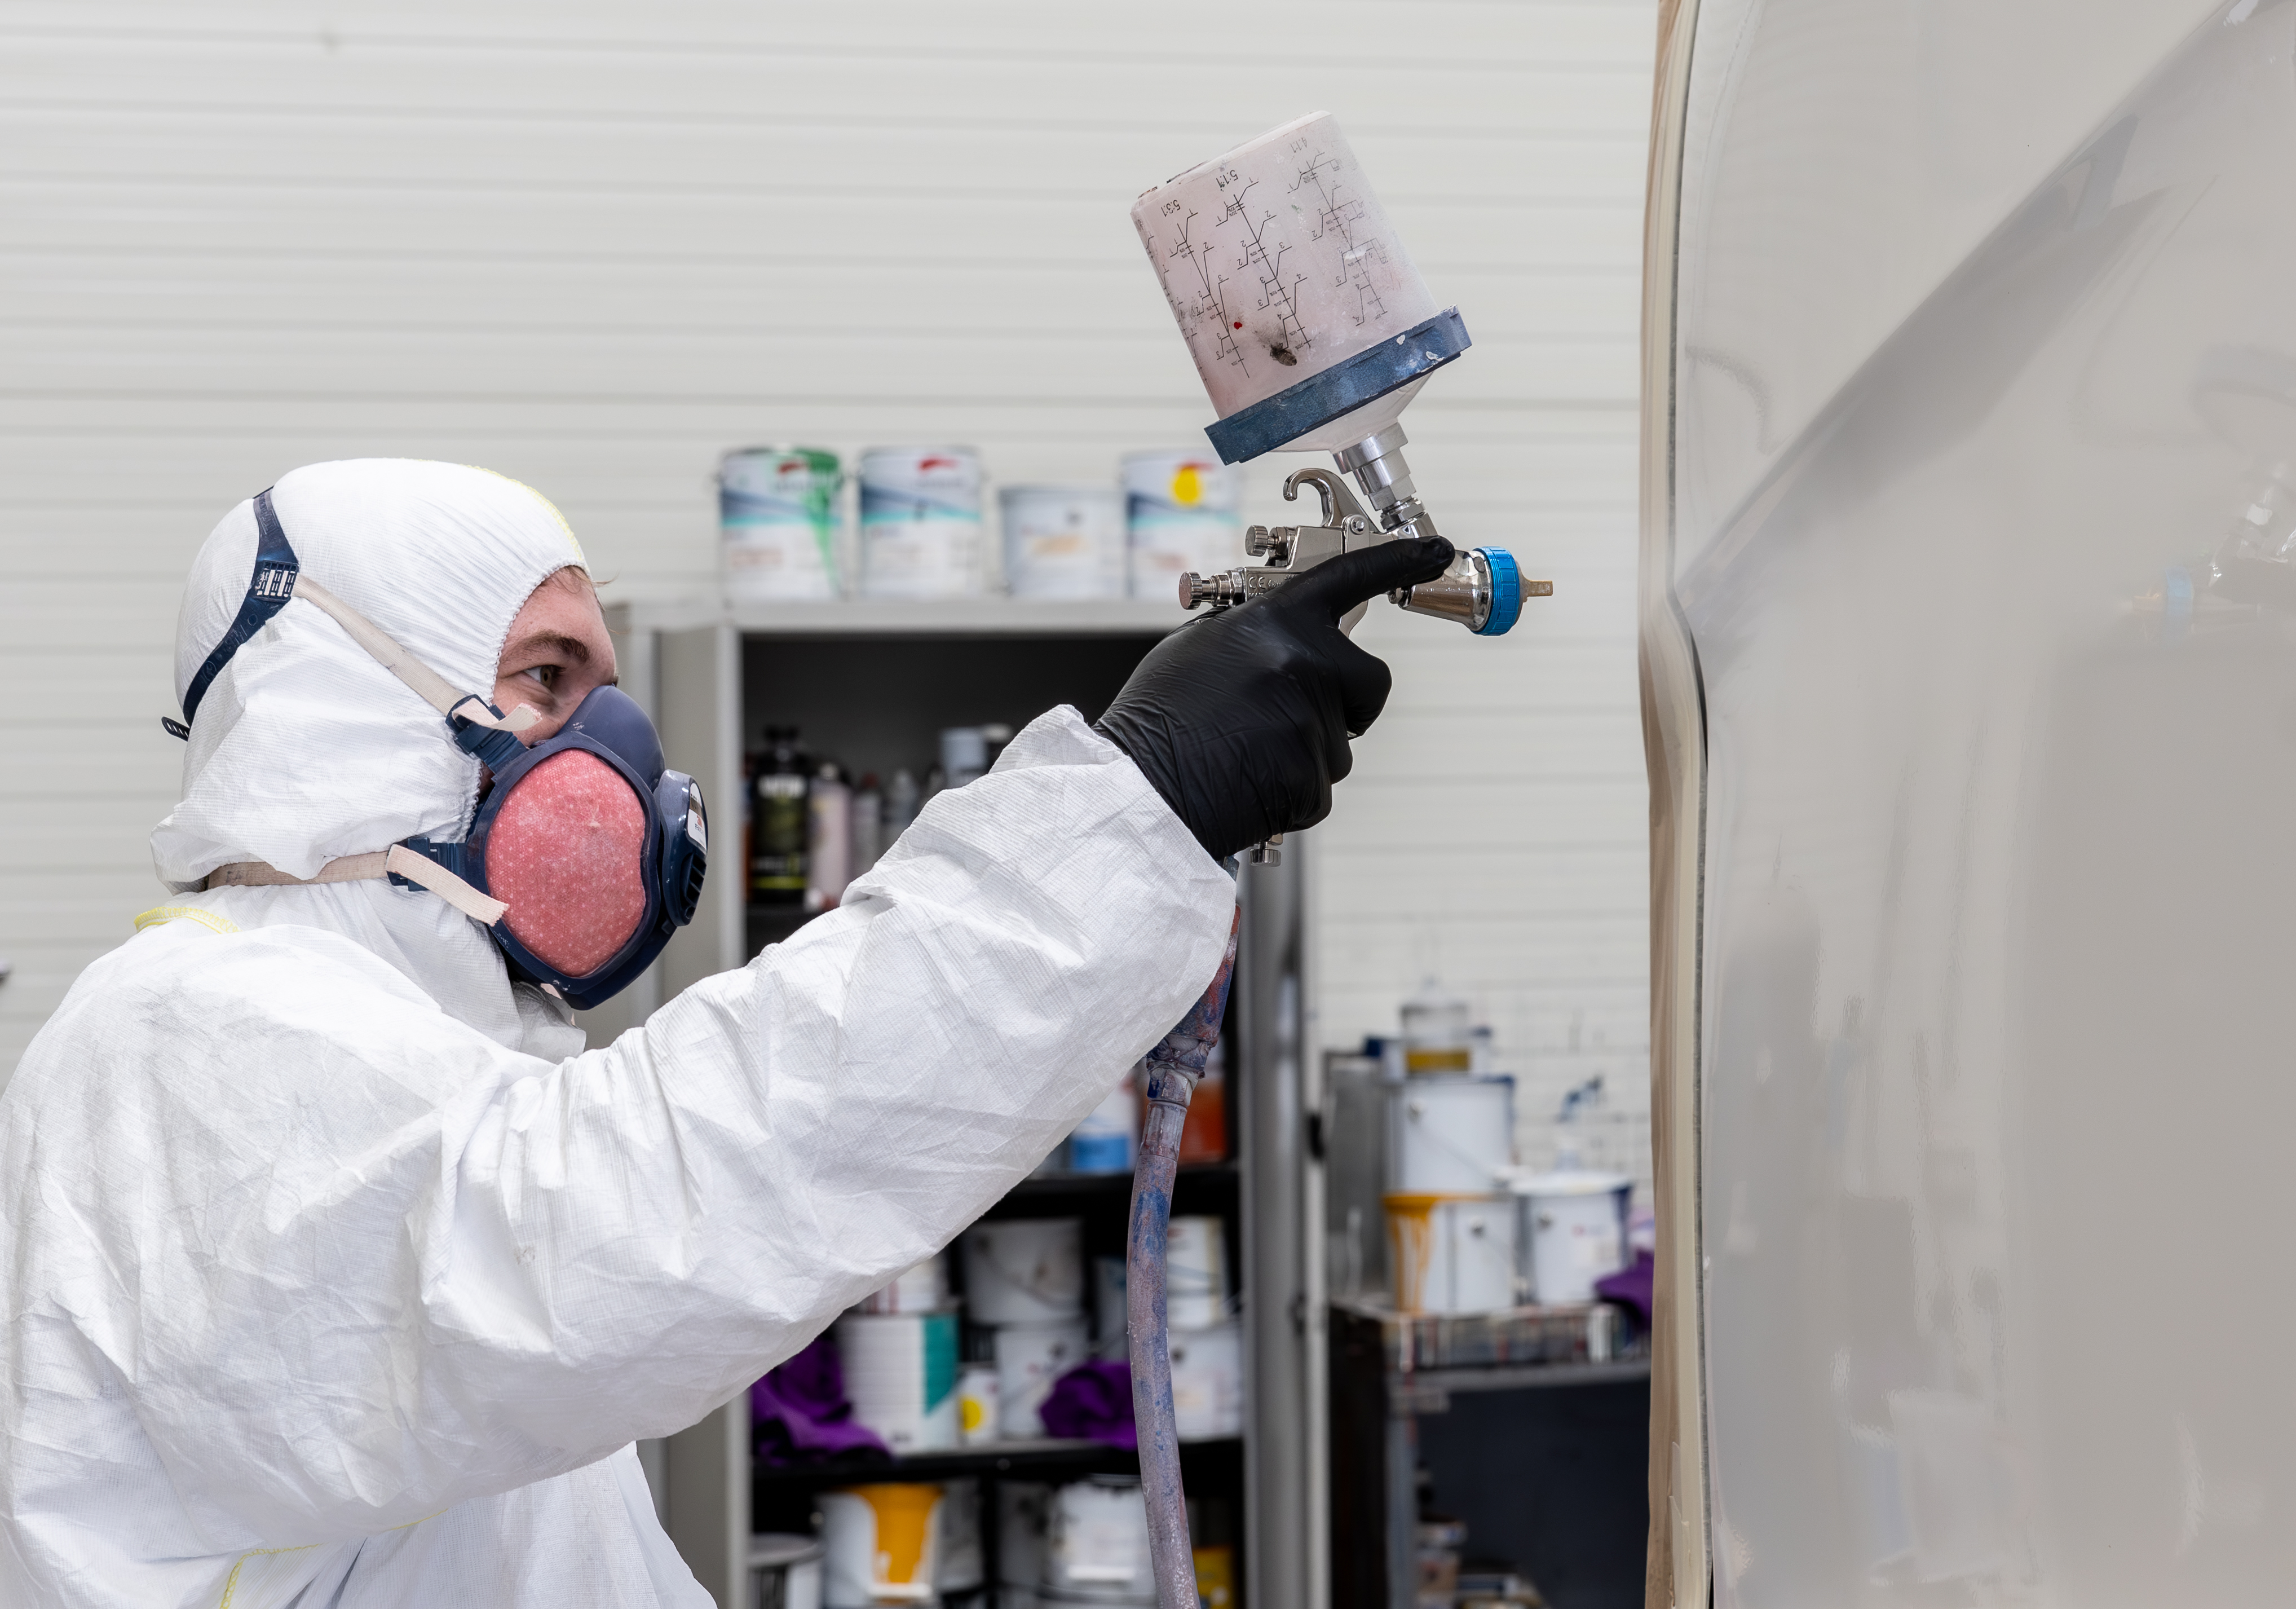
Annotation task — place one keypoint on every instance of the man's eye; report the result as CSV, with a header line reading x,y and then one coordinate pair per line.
x,y
547,675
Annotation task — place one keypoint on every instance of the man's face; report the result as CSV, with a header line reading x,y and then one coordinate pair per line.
x,y
556,655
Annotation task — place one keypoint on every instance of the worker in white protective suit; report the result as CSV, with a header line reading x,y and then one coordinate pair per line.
x,y
336,1271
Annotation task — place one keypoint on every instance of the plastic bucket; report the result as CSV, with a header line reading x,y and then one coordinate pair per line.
x,y
1031,1357
1024,1270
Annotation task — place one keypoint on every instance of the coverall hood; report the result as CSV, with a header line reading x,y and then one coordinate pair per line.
x,y
304,747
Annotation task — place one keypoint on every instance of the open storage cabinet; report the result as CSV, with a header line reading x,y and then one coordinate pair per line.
x,y
879,680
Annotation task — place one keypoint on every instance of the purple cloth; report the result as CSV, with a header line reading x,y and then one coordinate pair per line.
x,y
1630,1286
800,1415
1092,1402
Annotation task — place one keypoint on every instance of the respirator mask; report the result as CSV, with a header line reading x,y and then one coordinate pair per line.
x,y
587,853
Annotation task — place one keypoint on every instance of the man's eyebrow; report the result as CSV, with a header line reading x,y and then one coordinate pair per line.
x,y
571,648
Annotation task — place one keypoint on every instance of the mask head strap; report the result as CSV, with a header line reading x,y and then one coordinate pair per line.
x,y
267,592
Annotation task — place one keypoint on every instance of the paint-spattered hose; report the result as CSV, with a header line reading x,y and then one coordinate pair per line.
x,y
1169,1073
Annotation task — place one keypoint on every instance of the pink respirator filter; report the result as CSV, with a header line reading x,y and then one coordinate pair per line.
x,y
564,854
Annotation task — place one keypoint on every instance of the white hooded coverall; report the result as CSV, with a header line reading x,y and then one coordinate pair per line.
x,y
337,1274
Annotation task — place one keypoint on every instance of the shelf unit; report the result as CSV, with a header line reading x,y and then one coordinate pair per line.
x,y
1549,1460
881,675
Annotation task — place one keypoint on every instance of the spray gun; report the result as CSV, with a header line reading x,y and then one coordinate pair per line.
x,y
1311,331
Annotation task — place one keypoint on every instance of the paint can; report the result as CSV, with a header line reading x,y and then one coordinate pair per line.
x,y
1024,1270
1452,1253
1450,1133
921,523
785,1572
959,1565
1029,1358
976,1404
900,1375
1180,515
923,1289
880,1544
1195,1274
1020,1510
1573,1231
1208,1381
1096,1543
1063,541
1107,1139
781,522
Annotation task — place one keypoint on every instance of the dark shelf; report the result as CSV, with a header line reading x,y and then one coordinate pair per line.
x,y
1038,1186
1019,1459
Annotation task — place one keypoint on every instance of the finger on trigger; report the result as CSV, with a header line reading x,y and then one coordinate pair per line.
x,y
1338,584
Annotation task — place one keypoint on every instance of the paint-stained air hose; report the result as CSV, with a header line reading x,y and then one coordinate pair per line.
x,y
1169,1073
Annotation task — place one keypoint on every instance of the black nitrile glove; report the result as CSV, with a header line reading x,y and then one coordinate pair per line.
x,y
1241,721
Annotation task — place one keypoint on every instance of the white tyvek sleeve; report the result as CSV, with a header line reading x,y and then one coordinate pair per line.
x,y
382,1264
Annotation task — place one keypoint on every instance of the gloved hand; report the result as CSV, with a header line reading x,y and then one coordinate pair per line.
x,y
1241,720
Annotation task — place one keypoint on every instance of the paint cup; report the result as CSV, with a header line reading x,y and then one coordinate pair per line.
x,y
779,517
1450,1133
923,1289
1063,541
1029,1358
977,1415
1024,1270
785,1572
921,523
1180,515
880,1544
1452,1253
1096,1543
1208,1381
900,1376
1572,1228
1195,1274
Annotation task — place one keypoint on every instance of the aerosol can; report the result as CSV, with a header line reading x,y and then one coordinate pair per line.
x,y
1312,332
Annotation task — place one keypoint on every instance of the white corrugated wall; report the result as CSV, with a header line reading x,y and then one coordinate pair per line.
x,y
591,246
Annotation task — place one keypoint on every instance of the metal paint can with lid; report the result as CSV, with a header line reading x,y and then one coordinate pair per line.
x,y
1572,1225
781,522
921,535
1180,515
900,1375
1451,1133
1063,541
1452,1253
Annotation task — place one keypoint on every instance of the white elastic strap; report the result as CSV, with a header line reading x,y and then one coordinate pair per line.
x,y
478,907
435,689
363,868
